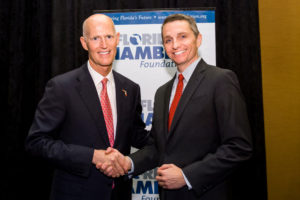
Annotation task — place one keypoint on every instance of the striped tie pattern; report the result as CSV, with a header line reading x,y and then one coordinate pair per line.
x,y
107,112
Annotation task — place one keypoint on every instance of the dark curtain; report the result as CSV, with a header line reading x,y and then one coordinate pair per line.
x,y
40,39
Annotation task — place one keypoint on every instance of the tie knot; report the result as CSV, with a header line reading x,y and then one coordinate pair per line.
x,y
180,77
104,81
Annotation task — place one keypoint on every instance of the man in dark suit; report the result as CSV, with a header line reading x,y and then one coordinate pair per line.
x,y
82,113
200,131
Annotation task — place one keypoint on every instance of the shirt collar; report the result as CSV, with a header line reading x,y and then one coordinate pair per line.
x,y
97,78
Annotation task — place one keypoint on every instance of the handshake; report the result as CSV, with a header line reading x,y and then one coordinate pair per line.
x,y
111,162
114,164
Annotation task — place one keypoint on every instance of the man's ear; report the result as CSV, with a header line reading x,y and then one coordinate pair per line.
x,y
199,40
83,43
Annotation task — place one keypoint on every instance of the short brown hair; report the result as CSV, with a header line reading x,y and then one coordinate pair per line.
x,y
175,17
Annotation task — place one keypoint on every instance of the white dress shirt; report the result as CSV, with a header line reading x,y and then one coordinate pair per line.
x,y
111,91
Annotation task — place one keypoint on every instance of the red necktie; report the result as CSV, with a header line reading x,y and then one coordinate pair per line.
x,y
107,112
176,99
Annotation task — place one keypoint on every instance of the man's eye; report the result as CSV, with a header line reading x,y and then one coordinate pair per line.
x,y
95,38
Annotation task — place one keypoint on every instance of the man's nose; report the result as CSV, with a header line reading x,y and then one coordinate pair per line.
x,y
103,43
175,44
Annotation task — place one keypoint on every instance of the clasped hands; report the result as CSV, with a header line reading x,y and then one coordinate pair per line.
x,y
111,162
114,164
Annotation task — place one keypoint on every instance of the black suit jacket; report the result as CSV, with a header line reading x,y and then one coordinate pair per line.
x,y
68,126
208,138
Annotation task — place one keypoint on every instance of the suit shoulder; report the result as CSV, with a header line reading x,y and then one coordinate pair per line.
x,y
162,89
68,76
165,85
221,77
215,72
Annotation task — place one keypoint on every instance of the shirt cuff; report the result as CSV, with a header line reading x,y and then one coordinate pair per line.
x,y
132,168
187,181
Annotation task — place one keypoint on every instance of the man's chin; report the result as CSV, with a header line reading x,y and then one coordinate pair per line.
x,y
104,65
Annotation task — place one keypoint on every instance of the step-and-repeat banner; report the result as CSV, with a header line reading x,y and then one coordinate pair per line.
x,y
141,57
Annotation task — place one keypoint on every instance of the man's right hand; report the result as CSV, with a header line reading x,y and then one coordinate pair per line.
x,y
111,162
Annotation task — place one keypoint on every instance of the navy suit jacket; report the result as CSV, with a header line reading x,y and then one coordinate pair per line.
x,y
208,138
69,124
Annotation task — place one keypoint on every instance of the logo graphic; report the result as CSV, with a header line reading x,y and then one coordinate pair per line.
x,y
146,48
135,39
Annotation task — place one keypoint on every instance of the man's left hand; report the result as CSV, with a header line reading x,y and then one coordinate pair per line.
x,y
169,176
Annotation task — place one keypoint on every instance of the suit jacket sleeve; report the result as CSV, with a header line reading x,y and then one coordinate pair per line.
x,y
146,158
140,134
43,135
234,130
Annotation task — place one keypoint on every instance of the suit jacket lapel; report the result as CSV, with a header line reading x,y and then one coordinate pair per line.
x,y
189,90
89,95
166,106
